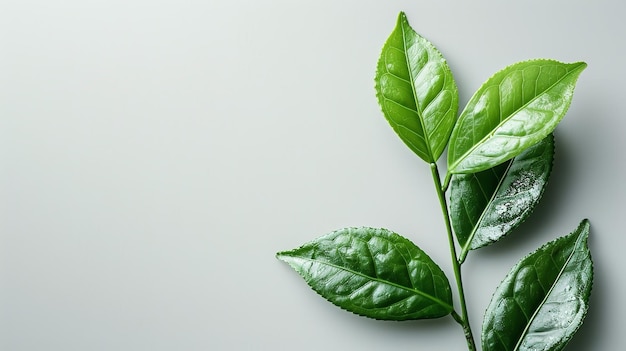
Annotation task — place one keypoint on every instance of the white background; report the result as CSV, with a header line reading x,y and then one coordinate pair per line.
x,y
155,155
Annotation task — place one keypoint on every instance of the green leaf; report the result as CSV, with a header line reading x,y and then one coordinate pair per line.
x,y
544,299
416,91
488,205
373,272
514,109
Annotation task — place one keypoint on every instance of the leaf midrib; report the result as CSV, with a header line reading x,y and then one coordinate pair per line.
x,y
468,243
417,103
558,277
378,280
492,132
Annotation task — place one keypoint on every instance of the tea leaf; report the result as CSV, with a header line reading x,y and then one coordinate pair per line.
x,y
488,205
516,108
416,91
373,272
544,299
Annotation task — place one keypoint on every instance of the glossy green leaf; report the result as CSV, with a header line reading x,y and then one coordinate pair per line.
x,y
373,272
416,91
488,205
514,109
544,299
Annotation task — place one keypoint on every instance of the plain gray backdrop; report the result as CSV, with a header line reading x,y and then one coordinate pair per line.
x,y
155,155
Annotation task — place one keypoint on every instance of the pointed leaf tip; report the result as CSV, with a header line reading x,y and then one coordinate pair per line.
x,y
416,91
374,273
512,110
488,205
543,300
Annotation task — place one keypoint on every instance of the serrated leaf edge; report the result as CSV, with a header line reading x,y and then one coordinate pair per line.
x,y
582,239
286,257
584,222
282,256
402,23
468,245
581,66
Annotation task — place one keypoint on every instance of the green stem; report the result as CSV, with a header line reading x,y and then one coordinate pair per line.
x,y
463,320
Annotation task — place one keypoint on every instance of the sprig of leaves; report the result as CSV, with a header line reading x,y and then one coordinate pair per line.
x,y
500,156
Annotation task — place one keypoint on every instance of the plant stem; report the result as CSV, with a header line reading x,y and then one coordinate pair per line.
x,y
463,320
